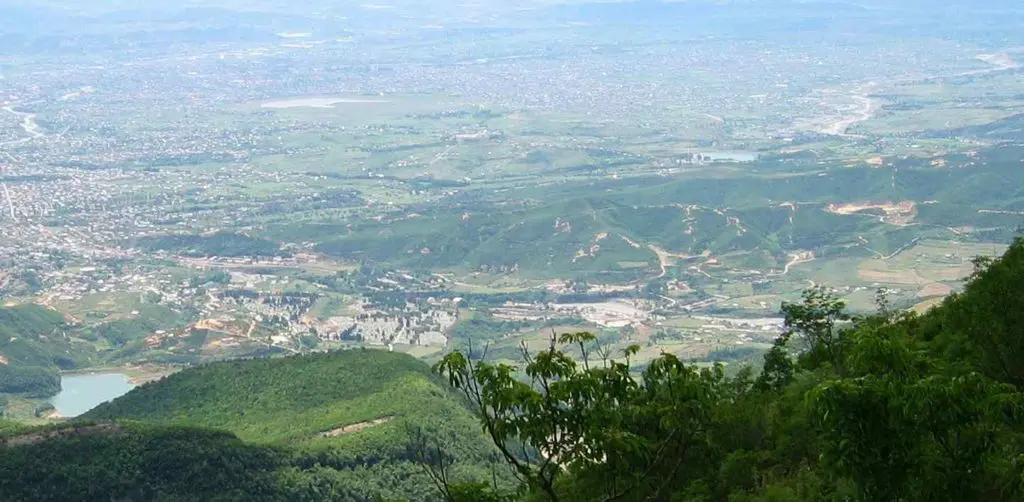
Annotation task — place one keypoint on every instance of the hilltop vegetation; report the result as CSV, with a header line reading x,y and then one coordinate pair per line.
x,y
891,406
257,398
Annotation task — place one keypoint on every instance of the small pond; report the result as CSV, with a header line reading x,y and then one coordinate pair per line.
x,y
83,392
734,156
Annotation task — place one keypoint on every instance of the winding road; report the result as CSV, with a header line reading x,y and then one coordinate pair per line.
x,y
794,259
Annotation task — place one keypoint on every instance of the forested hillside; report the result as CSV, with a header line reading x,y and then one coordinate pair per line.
x,y
348,419
33,350
889,407
606,227
139,462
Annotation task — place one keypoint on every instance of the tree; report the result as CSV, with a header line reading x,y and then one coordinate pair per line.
x,y
438,463
778,370
589,424
983,324
905,426
816,321
894,406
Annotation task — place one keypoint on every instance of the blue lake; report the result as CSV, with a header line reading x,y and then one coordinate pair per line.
x,y
81,393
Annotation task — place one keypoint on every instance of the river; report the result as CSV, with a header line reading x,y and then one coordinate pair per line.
x,y
83,392
28,124
31,127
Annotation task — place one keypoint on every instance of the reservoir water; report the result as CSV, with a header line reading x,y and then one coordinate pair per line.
x,y
81,393
734,156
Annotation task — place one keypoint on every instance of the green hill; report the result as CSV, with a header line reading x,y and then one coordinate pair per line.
x,y
345,425
286,399
343,418
603,228
34,348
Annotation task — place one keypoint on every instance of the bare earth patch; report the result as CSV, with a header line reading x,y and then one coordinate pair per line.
x,y
923,307
950,273
211,325
896,213
934,289
353,428
908,277
39,437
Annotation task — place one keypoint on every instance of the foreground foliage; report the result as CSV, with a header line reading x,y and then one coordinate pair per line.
x,y
889,407
137,462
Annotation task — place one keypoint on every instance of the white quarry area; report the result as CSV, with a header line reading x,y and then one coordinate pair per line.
x,y
412,326
610,314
